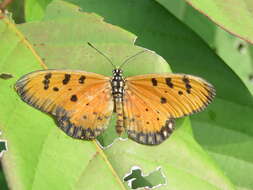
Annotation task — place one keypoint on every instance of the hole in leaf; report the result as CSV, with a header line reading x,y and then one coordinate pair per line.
x,y
109,136
6,76
136,179
251,77
3,146
241,46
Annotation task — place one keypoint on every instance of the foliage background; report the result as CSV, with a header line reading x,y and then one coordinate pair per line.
x,y
186,37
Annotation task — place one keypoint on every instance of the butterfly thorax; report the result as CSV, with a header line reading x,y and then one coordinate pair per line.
x,y
118,85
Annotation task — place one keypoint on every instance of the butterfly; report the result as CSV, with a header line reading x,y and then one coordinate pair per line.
x,y
146,105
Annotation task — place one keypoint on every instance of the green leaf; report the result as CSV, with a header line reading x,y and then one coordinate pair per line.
x,y
34,9
229,15
44,157
187,53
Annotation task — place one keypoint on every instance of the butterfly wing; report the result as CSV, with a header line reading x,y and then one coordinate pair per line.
x,y
80,101
152,102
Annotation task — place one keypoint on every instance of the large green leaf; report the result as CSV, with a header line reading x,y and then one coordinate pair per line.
x,y
186,52
229,15
41,156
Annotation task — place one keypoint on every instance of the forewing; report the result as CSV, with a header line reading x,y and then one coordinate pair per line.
x,y
153,101
80,101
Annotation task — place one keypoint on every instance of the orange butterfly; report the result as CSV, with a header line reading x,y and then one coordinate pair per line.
x,y
146,105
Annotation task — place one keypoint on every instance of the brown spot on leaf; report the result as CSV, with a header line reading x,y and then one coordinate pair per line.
x,y
5,76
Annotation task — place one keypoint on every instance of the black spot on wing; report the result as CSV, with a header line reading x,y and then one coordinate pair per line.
x,y
168,82
46,84
73,98
163,100
188,86
55,89
185,80
48,76
154,82
66,79
46,80
81,79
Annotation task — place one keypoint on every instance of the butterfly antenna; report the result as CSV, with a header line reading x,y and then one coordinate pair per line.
x,y
129,58
108,59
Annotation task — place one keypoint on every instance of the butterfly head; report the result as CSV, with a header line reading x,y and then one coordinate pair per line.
x,y
117,72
